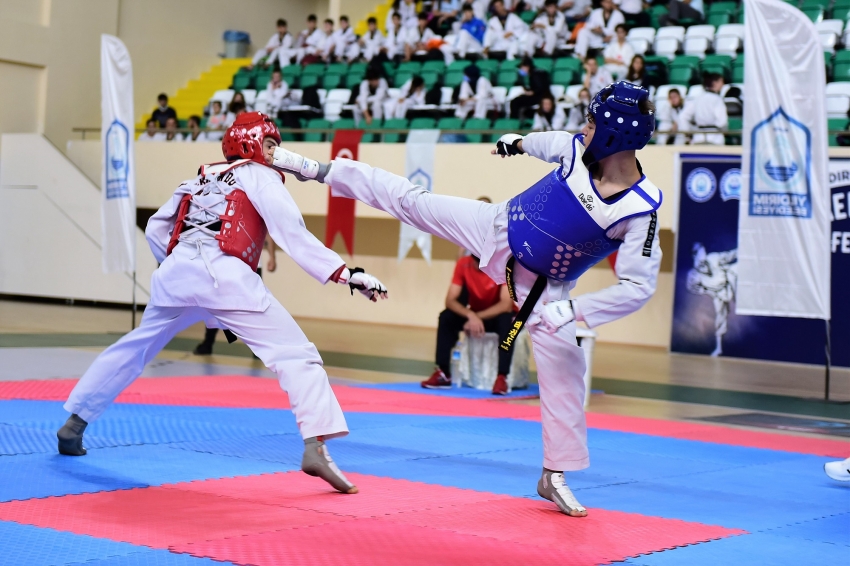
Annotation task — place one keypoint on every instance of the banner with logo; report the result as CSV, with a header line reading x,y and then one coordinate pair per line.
x,y
118,175
705,320
784,226
340,219
419,168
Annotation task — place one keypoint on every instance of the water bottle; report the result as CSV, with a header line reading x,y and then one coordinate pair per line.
x,y
456,365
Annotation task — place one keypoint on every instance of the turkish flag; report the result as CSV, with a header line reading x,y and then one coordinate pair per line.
x,y
341,209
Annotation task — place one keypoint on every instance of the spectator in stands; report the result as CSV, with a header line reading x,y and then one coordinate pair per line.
x,y
406,9
551,28
470,37
619,54
372,41
195,133
163,112
633,10
576,11
171,133
343,44
637,72
314,43
443,15
152,132
706,112
236,107
549,116
668,119
277,48
371,97
475,94
595,79
278,94
411,94
302,42
475,305
239,98
216,121
537,84
506,33
393,47
599,29
578,113
326,48
419,40
679,10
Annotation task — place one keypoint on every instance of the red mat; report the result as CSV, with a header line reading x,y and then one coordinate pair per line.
x,y
251,392
293,519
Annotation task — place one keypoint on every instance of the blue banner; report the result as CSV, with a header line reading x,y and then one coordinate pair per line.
x,y
704,319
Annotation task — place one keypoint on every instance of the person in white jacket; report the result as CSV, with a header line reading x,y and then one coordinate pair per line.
x,y
598,31
278,48
278,93
315,43
371,97
406,9
475,94
668,119
198,281
343,45
549,117
393,46
372,41
618,54
506,33
539,242
411,94
550,27
705,113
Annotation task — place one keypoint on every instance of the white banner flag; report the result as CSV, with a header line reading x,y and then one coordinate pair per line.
x,y
784,225
419,168
118,202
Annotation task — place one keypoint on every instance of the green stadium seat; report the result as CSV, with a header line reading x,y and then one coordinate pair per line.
x,y
459,65
564,77
836,124
569,63
316,123
241,81
358,67
437,66
431,78
367,136
543,63
814,14
453,78
337,68
423,124
827,62
684,70
343,124
332,80
657,69
805,4
720,18
721,64
395,124
842,56
506,78
841,72
655,14
488,67
509,65
315,69
291,73
504,126
720,7
734,123
738,69
262,78
841,10
528,16
412,67
476,124
401,77
354,78
450,123
308,81
389,68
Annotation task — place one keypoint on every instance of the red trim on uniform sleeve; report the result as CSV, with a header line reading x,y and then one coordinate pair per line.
x,y
336,274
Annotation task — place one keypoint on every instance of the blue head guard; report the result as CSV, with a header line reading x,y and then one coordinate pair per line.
x,y
620,126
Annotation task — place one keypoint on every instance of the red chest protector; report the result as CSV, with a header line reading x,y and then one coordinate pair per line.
x,y
243,231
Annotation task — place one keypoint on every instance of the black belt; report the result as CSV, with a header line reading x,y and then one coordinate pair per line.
x,y
528,306
214,227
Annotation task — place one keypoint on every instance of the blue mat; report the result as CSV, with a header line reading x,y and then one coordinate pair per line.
x,y
460,392
106,469
24,440
35,546
153,557
759,548
834,529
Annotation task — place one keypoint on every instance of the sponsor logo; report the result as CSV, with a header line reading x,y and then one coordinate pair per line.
x,y
701,184
730,185
421,179
780,167
117,149
527,248
587,201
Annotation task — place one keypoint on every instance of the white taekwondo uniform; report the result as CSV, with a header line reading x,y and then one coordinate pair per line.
x,y
482,228
198,282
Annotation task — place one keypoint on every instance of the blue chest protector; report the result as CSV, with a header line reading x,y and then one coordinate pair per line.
x,y
558,227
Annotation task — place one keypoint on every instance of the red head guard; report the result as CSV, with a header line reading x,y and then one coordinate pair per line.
x,y
244,139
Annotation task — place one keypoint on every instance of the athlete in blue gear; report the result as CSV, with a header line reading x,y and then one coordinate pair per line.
x,y
540,242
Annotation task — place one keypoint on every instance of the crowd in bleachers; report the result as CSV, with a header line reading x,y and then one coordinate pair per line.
x,y
510,64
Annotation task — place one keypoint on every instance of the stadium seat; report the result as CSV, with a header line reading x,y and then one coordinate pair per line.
x,y
544,64
436,66
828,41
369,137
446,94
513,92
718,19
488,67
354,78
571,94
656,69
358,68
260,103
344,124
509,65
837,105
662,92
694,91
308,80
734,124
458,65
805,4
450,123
721,64
290,73
504,126
647,34
655,14
423,124
316,69
506,78
453,78
500,95
639,46
401,76
684,70
706,31
564,77
430,77
476,124
528,16
667,47
412,67
242,80
389,69
814,14
729,39
316,123
738,70
841,10
557,91
696,46
250,96
394,124
262,78
332,80
836,124
334,101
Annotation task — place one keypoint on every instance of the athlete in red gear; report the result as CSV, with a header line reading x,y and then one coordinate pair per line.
x,y
208,239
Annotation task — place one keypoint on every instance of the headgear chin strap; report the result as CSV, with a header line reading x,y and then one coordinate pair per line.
x,y
620,126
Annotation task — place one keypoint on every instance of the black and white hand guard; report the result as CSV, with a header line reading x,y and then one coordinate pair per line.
x,y
368,285
508,145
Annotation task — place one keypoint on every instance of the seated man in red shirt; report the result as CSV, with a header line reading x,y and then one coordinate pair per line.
x,y
490,309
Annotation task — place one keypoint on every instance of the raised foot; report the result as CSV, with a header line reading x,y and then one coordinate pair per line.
x,y
317,462
553,487
70,437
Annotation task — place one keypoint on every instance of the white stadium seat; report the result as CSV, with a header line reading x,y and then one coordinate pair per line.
x,y
639,45
837,105
833,26
677,32
696,46
446,93
731,29
828,40
663,90
572,93
250,96
261,103
334,101
667,47
224,96
705,31
641,34
557,91
514,92
695,91
838,88
727,45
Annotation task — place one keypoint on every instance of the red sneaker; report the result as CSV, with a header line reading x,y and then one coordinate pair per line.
x,y
500,386
438,380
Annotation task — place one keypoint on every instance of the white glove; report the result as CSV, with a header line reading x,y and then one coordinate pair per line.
x,y
554,315
359,280
304,169
508,145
